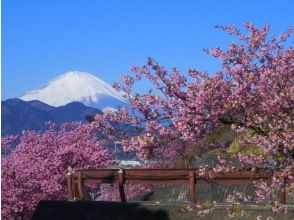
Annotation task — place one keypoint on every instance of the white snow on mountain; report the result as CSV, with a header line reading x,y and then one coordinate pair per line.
x,y
78,86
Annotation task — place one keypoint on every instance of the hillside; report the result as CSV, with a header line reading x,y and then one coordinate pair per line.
x,y
18,115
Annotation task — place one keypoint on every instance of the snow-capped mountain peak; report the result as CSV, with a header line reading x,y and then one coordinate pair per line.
x,y
77,86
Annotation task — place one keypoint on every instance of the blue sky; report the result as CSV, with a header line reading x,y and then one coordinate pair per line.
x,y
43,39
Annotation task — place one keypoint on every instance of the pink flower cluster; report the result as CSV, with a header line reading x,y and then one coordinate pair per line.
x,y
36,169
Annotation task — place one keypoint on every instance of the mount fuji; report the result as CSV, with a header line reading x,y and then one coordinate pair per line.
x,y
77,86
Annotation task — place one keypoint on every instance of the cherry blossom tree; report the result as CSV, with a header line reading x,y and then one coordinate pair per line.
x,y
253,93
36,169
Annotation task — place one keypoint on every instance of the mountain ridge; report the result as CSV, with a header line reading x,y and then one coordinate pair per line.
x,y
18,115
